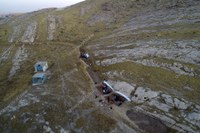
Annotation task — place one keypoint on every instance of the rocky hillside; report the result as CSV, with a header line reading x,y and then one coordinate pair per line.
x,y
149,47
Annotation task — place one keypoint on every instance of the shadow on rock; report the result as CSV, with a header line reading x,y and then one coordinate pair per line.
x,y
146,122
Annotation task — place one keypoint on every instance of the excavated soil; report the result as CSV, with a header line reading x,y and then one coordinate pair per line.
x,y
147,123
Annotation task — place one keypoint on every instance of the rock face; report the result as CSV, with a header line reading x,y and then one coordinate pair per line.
x,y
126,44
194,118
147,99
176,113
175,67
159,39
168,100
159,105
180,104
141,95
145,49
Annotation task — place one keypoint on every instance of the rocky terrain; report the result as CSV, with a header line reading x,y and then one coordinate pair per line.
x,y
53,23
148,50
20,56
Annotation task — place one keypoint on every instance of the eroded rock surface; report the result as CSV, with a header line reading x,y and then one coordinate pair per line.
x,y
177,113
51,28
20,56
141,95
30,33
53,22
175,67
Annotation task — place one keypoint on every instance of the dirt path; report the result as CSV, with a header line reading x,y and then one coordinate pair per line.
x,y
80,102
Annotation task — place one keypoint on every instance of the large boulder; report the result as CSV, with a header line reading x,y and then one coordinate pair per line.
x,y
182,105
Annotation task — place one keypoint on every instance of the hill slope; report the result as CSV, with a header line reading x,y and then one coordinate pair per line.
x,y
151,47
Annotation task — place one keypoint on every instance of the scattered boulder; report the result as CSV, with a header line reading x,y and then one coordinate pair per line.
x,y
39,118
168,99
159,105
194,118
197,107
180,104
47,129
169,121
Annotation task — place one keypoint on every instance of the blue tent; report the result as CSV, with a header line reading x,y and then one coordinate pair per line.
x,y
38,79
39,68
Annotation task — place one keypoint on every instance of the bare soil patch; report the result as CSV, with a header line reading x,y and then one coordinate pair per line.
x,y
146,122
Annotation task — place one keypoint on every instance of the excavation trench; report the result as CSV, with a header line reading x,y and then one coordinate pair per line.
x,y
144,121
